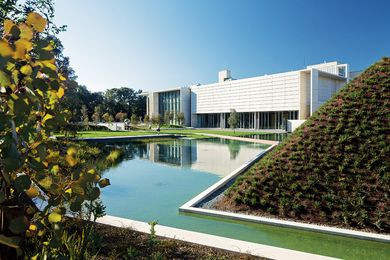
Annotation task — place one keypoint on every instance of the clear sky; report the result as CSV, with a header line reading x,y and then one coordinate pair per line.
x,y
159,44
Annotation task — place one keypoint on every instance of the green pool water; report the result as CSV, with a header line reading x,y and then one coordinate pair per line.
x,y
156,178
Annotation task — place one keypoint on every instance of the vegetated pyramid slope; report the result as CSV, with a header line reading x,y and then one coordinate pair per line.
x,y
332,170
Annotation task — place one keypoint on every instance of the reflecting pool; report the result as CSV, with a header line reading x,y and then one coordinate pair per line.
x,y
155,178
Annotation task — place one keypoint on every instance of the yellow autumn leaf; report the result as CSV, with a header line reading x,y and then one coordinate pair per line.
x,y
49,64
5,48
32,227
49,47
8,25
54,217
4,79
25,31
71,151
36,21
70,160
15,76
55,169
26,70
46,117
60,92
22,46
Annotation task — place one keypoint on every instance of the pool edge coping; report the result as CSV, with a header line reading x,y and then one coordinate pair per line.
x,y
189,207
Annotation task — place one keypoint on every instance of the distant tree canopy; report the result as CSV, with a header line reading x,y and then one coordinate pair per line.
x,y
112,101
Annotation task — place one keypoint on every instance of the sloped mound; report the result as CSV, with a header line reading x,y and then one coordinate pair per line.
x,y
334,169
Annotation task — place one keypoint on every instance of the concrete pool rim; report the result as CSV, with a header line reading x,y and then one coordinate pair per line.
x,y
190,207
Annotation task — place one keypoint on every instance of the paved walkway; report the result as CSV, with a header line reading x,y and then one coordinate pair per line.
x,y
244,139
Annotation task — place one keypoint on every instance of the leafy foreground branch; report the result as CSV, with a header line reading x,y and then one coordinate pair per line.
x,y
30,90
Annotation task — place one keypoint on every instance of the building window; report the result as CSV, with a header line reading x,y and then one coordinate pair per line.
x,y
341,71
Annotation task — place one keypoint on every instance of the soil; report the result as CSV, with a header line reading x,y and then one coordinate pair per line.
x,y
125,243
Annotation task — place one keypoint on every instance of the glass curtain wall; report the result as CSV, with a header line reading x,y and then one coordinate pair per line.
x,y
169,101
250,120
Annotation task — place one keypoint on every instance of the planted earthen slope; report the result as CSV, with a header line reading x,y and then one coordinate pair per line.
x,y
335,168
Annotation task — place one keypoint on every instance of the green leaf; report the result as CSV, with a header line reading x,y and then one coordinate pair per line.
x,y
10,241
23,182
104,182
4,79
54,217
39,84
75,206
2,197
94,194
77,189
18,225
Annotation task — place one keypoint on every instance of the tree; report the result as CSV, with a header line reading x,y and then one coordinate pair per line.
x,y
120,116
233,119
134,119
85,117
28,117
157,120
124,100
96,117
171,117
147,120
107,117
168,116
180,118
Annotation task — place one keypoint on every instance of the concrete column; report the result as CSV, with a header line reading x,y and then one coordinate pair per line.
x,y
314,104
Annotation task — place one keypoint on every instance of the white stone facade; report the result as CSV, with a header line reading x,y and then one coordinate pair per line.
x,y
262,102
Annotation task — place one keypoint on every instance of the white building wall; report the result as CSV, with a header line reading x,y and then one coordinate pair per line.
x,y
153,104
328,87
277,92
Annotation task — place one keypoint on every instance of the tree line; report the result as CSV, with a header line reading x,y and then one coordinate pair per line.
x,y
116,104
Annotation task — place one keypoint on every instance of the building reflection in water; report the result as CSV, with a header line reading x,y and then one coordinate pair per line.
x,y
217,156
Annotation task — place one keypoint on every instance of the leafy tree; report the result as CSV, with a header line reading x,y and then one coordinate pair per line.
x,y
233,119
157,120
146,119
31,88
167,117
85,117
134,119
180,118
97,114
124,100
120,116
107,117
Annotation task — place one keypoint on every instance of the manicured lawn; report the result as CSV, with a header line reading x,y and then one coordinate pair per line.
x,y
112,133
194,133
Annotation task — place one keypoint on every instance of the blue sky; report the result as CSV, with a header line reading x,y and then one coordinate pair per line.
x,y
158,44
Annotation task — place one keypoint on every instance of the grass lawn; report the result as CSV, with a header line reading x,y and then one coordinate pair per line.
x,y
193,133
